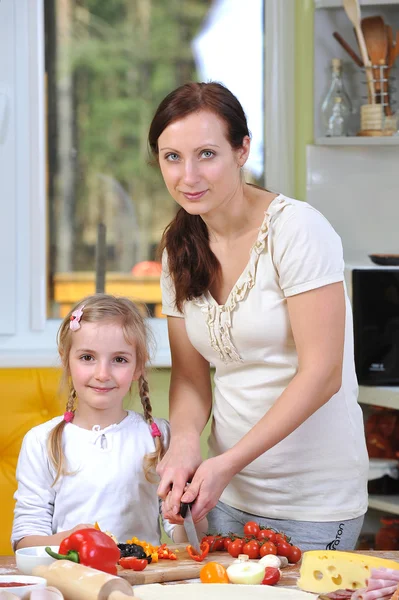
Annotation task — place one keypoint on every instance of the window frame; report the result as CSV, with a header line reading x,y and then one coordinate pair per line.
x,y
27,336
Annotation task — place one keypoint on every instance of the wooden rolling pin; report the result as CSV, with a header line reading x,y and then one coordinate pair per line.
x,y
77,582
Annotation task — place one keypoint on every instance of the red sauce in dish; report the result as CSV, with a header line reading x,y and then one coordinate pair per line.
x,y
12,584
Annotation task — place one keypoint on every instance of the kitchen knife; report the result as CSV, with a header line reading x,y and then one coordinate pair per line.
x,y
189,526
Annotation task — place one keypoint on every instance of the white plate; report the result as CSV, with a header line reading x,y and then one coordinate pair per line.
x,y
218,591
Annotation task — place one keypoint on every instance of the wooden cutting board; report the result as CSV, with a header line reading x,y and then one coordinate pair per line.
x,y
187,568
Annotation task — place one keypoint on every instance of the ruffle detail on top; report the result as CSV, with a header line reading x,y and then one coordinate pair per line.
x,y
219,317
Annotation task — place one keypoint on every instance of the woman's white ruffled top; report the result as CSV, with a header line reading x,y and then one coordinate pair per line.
x,y
218,316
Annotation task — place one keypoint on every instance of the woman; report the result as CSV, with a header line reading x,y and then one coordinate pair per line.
x,y
253,284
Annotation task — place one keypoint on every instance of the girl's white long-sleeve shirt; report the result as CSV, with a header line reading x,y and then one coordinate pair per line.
x,y
106,484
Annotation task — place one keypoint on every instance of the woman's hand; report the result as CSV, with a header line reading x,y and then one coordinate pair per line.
x,y
175,469
207,485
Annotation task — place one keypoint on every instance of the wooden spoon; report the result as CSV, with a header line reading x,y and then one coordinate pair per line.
x,y
352,10
375,36
390,61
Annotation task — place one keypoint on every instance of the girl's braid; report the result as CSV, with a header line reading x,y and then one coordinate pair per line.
x,y
150,460
70,405
145,399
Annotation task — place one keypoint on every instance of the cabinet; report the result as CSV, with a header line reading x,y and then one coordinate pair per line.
x,y
330,17
386,397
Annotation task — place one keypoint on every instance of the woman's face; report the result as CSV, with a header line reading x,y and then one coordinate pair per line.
x,y
200,168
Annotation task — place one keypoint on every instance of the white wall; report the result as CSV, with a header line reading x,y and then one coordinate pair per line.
x,y
357,189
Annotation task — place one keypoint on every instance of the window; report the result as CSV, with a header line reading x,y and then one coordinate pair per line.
x,y
28,311
108,65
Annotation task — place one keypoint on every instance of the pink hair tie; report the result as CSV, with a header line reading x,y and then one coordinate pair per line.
x,y
155,430
68,416
74,321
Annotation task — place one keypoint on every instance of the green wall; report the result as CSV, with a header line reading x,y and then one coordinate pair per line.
x,y
303,90
158,380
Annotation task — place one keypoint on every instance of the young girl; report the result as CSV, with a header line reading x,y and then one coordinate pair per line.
x,y
97,461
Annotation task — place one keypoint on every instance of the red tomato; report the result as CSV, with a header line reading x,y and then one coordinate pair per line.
x,y
283,548
134,563
235,547
251,528
267,548
272,576
294,555
251,548
209,539
218,544
281,537
268,534
226,542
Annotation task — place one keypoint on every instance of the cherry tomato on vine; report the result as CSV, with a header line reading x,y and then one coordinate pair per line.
x,y
283,548
281,537
218,544
235,547
294,555
209,539
251,528
267,548
267,534
251,548
226,542
272,576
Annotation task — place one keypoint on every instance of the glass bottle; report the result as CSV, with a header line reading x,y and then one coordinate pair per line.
x,y
337,107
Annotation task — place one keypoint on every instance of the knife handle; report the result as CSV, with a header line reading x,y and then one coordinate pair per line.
x,y
183,508
184,505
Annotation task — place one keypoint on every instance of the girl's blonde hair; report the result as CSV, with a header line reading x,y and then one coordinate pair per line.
x,y
99,308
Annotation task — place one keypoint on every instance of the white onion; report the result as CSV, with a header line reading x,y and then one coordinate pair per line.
x,y
249,573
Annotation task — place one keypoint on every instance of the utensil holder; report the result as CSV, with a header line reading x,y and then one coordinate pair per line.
x,y
379,119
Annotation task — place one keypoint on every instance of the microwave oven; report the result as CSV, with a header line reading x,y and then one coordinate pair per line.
x,y
375,304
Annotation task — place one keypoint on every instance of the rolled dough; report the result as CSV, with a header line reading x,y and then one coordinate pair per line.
x,y
217,591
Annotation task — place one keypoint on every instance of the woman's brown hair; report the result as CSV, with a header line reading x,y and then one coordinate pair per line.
x,y
105,308
192,264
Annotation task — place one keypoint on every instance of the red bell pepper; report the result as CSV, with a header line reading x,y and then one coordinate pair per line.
x,y
165,553
204,547
89,547
134,563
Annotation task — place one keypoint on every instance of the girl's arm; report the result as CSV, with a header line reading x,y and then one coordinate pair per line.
x,y
318,324
48,540
190,404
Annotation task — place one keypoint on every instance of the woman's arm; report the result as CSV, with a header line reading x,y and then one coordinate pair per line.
x,y
190,404
318,324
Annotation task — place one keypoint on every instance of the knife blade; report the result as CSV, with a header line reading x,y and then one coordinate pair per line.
x,y
189,526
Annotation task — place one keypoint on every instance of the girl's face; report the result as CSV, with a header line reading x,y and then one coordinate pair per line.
x,y
200,168
102,365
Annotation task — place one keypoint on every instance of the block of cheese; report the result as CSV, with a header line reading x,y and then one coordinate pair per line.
x,y
324,571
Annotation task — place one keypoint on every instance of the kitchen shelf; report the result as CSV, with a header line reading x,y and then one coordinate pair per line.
x,y
358,141
384,396
339,4
388,504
